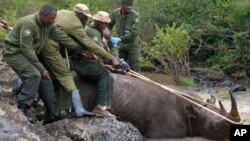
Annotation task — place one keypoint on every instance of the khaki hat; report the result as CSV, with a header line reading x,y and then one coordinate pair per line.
x,y
102,16
129,2
82,8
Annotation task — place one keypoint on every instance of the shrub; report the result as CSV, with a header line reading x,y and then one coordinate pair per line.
x,y
170,47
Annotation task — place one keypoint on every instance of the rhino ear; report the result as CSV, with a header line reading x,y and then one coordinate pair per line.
x,y
212,100
222,109
191,112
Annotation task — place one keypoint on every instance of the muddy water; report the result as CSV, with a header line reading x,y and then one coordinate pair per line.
x,y
222,94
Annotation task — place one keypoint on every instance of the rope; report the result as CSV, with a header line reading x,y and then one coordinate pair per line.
x,y
181,94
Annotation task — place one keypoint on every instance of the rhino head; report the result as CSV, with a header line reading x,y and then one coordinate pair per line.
x,y
207,123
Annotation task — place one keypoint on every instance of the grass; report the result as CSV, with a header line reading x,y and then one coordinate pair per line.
x,y
223,96
185,81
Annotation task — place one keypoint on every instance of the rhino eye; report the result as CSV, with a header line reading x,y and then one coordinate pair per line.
x,y
214,127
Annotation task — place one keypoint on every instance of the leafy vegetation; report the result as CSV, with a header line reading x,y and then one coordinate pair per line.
x,y
185,81
211,31
170,48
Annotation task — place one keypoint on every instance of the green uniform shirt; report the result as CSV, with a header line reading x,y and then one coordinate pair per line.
x,y
71,24
94,34
127,26
29,36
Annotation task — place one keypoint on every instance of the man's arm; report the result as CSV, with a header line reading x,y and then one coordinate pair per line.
x,y
4,24
82,38
27,46
133,31
62,38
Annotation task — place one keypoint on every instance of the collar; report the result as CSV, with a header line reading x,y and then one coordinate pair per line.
x,y
38,21
92,24
120,12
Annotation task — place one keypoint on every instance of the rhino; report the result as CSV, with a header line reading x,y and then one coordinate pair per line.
x,y
161,113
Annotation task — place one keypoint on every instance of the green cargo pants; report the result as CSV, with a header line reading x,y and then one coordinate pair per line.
x,y
31,79
131,53
57,66
132,57
93,71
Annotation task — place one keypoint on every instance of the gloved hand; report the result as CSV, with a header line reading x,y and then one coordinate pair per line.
x,y
124,65
115,40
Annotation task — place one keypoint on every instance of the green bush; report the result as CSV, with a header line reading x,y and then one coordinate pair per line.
x,y
234,59
170,47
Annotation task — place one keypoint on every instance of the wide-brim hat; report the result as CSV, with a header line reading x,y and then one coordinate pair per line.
x,y
102,16
82,8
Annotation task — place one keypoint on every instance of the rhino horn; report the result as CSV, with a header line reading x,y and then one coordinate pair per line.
x,y
233,114
222,109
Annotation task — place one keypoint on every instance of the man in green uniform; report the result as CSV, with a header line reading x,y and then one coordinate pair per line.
x,y
93,70
72,22
126,21
21,46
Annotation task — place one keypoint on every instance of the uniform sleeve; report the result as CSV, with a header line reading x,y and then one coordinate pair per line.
x,y
62,38
82,38
133,31
27,46
91,35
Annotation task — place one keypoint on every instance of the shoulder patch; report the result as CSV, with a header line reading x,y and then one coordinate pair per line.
x,y
137,20
95,39
27,32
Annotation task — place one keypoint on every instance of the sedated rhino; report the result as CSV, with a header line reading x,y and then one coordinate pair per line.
x,y
160,113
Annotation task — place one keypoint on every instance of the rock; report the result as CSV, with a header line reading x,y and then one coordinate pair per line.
x,y
206,77
226,83
239,75
159,70
14,125
94,129
236,88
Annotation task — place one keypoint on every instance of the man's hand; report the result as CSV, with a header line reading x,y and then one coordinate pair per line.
x,y
4,24
88,55
45,75
115,63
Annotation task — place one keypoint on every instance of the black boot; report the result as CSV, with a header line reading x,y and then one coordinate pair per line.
x,y
24,108
55,118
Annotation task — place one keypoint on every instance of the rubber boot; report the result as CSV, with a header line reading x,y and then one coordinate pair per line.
x,y
24,109
77,104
